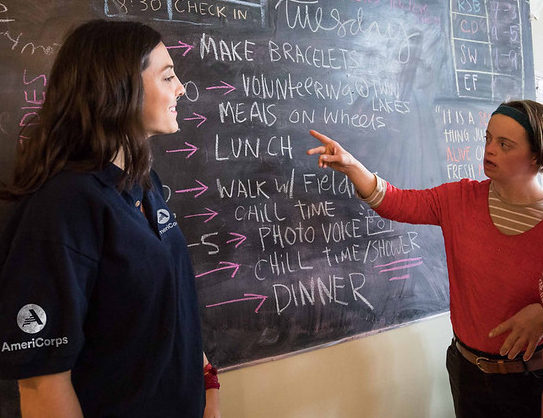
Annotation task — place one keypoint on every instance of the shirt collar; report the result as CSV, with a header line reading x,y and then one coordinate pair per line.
x,y
110,176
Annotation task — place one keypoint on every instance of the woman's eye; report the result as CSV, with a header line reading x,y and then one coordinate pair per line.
x,y
168,79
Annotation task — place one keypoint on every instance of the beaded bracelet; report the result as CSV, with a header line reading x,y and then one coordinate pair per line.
x,y
210,377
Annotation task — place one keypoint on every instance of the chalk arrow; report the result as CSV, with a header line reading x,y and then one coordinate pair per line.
x,y
240,238
197,117
191,150
224,86
226,265
201,189
247,296
181,45
210,213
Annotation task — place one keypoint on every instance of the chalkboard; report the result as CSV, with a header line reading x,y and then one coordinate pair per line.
x,y
286,257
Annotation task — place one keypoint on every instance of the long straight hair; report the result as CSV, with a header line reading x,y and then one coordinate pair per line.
x,y
92,109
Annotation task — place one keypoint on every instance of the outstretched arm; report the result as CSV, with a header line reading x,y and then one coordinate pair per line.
x,y
331,154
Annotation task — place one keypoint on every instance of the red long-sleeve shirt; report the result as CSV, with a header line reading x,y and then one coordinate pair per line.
x,y
492,275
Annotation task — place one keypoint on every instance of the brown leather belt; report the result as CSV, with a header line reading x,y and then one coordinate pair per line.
x,y
489,365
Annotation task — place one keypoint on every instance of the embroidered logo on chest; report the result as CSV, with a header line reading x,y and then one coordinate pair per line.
x,y
162,216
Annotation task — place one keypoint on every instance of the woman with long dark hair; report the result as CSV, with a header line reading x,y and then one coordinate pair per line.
x,y
98,308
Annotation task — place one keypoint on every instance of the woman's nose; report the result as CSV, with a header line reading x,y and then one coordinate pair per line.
x,y
490,147
181,90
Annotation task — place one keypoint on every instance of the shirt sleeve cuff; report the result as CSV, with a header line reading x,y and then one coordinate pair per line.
x,y
378,194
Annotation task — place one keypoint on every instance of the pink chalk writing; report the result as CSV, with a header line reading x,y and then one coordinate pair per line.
x,y
247,296
210,215
201,189
225,266
225,85
191,150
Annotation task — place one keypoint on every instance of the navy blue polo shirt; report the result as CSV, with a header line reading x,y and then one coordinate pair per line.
x,y
89,283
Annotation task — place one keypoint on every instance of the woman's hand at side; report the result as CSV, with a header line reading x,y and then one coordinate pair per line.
x,y
49,396
525,331
212,409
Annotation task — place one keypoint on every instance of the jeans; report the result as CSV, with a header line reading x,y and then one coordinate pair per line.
x,y
481,395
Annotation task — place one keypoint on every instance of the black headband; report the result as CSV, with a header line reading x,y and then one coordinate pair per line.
x,y
516,114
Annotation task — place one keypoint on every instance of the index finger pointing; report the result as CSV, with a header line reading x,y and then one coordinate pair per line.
x,y
323,138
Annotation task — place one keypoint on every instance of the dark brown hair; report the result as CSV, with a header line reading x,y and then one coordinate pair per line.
x,y
92,109
534,111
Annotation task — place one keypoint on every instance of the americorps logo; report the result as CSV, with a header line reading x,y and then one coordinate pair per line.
x,y
35,343
162,216
31,318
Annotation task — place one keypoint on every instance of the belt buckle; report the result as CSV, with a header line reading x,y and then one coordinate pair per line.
x,y
478,364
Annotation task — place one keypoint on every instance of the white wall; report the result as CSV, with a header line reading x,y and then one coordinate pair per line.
x,y
399,373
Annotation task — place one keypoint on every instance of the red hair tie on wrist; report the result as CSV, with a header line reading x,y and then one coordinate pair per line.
x,y
210,377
